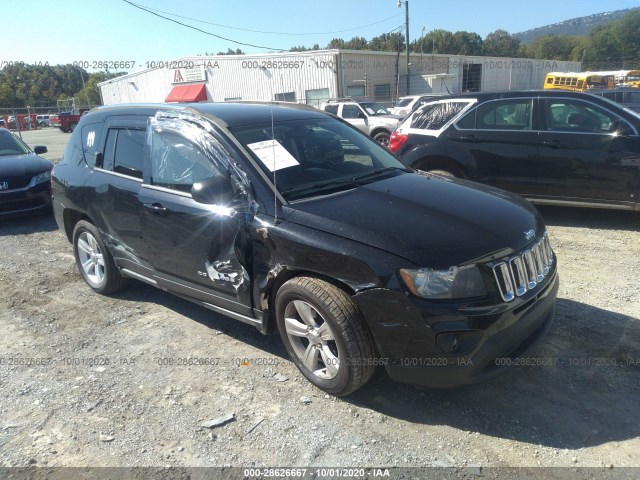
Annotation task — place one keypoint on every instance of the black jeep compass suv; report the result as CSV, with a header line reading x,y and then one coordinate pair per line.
x,y
291,220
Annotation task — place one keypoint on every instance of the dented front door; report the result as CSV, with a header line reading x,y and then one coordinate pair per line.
x,y
195,249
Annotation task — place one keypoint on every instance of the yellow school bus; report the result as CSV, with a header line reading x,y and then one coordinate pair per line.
x,y
580,81
628,78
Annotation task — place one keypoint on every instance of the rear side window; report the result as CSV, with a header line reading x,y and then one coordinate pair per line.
x,y
434,116
124,151
513,114
90,138
331,109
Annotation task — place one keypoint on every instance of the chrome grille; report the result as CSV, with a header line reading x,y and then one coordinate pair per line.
x,y
517,275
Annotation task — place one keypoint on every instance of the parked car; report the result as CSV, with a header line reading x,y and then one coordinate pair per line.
x,y
407,104
367,116
3,124
291,220
43,121
628,97
24,177
552,147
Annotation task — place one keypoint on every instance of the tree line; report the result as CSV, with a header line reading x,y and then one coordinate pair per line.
x,y
609,46
41,86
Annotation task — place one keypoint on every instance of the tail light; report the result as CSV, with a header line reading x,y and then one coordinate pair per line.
x,y
397,140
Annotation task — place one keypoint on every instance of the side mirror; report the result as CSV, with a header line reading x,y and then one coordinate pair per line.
x,y
216,190
39,149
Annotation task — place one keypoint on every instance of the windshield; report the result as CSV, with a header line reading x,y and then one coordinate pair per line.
x,y
316,156
403,102
374,108
10,145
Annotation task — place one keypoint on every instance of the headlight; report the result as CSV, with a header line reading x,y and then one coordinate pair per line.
x,y
455,282
40,178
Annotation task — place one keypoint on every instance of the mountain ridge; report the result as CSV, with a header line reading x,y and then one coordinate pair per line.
x,y
573,26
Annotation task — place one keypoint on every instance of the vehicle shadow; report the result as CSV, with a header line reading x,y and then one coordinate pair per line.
x,y
586,393
590,218
141,292
27,225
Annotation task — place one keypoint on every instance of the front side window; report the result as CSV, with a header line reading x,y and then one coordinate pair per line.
x,y
351,111
177,163
565,115
124,151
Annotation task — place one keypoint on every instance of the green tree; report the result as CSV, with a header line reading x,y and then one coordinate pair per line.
x,y
336,43
556,47
467,43
438,41
231,51
387,42
501,44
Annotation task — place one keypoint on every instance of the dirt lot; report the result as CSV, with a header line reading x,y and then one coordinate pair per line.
x,y
111,390
87,380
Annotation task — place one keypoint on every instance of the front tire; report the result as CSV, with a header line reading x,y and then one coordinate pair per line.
x,y
325,335
71,127
442,173
94,260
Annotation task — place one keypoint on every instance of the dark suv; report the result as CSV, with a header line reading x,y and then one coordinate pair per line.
x,y
291,220
552,147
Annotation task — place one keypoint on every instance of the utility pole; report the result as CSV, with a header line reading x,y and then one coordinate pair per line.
x,y
406,29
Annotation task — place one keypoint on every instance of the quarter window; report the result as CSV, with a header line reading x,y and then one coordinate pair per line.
x,y
177,163
434,116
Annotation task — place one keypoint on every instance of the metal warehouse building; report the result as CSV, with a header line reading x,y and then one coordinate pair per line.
x,y
315,76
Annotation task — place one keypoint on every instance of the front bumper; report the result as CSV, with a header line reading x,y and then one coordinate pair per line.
x,y
25,201
406,332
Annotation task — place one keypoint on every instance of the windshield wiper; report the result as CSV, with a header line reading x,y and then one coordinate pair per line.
x,y
341,182
375,174
317,187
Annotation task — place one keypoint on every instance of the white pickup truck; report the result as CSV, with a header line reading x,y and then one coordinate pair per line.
x,y
368,116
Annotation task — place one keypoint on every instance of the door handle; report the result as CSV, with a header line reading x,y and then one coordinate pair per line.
x,y
552,144
156,209
468,138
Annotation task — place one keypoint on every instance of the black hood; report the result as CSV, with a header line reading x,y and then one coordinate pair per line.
x,y
432,222
20,166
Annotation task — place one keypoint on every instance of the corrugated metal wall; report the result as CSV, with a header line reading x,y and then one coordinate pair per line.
x,y
497,73
312,77
246,77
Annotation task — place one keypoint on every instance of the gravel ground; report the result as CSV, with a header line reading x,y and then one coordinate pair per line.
x,y
129,380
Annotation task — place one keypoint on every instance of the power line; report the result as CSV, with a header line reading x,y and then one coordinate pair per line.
x,y
202,31
266,32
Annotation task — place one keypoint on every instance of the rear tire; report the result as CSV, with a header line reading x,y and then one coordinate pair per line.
x,y
325,335
94,260
382,138
71,127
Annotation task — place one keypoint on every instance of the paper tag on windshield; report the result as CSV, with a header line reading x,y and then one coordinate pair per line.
x,y
273,155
